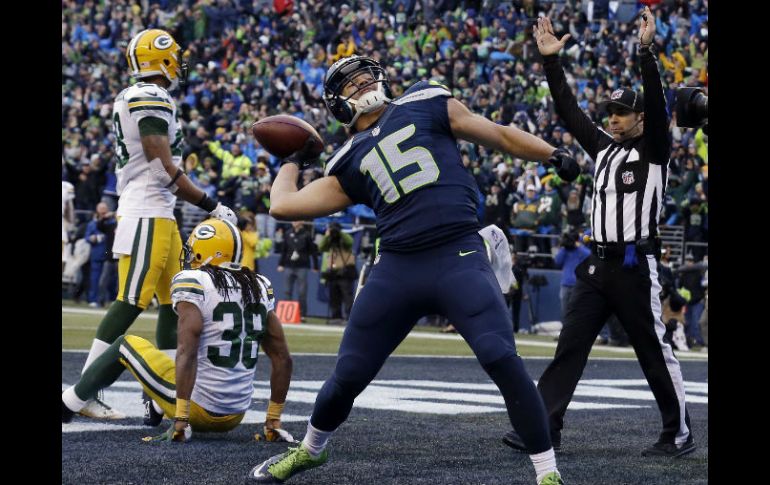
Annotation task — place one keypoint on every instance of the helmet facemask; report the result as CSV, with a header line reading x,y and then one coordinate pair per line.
x,y
345,72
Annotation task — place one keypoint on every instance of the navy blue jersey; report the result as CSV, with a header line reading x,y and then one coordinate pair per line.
x,y
408,169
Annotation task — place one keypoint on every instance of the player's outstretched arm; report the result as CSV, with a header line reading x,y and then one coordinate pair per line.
x,y
477,129
509,139
319,198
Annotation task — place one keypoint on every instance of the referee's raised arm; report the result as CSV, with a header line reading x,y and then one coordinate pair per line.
x,y
657,143
591,138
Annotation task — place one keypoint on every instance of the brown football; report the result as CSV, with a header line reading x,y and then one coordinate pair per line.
x,y
282,135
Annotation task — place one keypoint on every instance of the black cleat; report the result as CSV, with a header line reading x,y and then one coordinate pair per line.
x,y
66,413
513,440
151,416
670,449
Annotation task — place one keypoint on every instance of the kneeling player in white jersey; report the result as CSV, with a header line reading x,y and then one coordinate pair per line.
x,y
148,148
225,313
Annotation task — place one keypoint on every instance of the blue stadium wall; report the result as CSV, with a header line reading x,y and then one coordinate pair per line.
x,y
546,304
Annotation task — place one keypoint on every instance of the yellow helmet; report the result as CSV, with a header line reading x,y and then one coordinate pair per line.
x,y
213,242
154,52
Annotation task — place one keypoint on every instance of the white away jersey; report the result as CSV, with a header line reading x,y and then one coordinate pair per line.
x,y
229,343
141,194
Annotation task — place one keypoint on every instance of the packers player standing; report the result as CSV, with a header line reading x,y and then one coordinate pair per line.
x,y
148,146
225,313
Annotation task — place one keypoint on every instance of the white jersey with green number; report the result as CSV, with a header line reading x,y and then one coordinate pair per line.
x,y
229,342
141,194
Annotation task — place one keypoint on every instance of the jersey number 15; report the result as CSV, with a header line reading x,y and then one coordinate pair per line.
x,y
395,160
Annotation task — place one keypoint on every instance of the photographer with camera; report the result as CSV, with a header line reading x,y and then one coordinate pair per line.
x,y
298,255
621,275
338,270
571,253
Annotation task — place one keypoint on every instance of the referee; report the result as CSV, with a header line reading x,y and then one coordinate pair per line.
x,y
620,276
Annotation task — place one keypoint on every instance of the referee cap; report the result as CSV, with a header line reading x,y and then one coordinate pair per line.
x,y
626,99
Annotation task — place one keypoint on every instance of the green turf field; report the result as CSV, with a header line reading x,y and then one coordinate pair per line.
x,y
79,326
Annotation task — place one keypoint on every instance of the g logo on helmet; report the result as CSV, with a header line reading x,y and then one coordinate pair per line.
x,y
616,94
162,42
205,231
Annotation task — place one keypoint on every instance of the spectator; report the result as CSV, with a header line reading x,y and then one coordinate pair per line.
x,y
569,256
108,283
690,277
67,215
548,216
517,291
524,219
234,162
338,270
97,240
298,255
248,228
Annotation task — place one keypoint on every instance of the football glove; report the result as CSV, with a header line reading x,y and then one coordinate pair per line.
x,y
301,157
225,213
566,166
172,434
277,435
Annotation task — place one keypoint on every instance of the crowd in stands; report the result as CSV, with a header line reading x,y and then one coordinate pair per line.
x,y
254,58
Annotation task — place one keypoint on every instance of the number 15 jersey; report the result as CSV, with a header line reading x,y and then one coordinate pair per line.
x,y
408,169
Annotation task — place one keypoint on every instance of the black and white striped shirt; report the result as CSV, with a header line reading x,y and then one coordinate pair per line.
x,y
628,195
630,177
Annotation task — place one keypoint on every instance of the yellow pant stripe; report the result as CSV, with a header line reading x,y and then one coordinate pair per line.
x,y
153,262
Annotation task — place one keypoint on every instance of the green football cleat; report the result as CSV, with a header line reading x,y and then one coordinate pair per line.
x,y
552,478
280,468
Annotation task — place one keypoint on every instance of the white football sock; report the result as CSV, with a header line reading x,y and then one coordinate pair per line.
x,y
97,348
545,463
315,440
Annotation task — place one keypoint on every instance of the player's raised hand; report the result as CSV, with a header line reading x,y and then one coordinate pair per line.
x,y
547,42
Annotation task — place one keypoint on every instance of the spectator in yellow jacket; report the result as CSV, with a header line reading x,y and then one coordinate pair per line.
x,y
234,163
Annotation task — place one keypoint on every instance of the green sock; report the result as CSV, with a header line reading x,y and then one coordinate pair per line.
x,y
101,373
119,317
165,333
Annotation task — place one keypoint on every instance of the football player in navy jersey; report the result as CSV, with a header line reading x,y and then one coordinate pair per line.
x,y
404,163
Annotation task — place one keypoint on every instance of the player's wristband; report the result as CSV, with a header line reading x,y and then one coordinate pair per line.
x,y
274,410
206,204
172,186
182,410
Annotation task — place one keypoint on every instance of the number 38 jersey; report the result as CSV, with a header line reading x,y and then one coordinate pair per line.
x,y
229,342
408,169
141,194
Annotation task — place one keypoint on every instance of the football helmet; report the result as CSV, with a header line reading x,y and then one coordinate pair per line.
x,y
154,52
215,242
343,72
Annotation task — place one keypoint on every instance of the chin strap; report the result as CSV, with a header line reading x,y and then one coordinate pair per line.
x,y
367,103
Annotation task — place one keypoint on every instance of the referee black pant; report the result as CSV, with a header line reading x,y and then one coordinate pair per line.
x,y
604,287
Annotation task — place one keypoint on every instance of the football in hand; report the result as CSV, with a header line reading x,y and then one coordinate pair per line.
x,y
283,135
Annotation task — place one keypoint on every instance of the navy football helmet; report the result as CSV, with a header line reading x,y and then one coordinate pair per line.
x,y
344,71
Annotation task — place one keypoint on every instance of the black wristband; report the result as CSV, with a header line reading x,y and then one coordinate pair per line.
x,y
206,204
178,174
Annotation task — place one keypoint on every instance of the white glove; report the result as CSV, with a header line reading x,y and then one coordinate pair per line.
x,y
225,213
